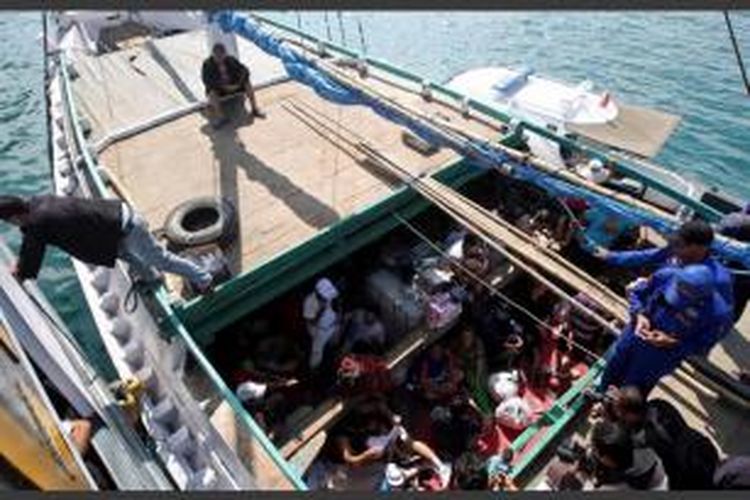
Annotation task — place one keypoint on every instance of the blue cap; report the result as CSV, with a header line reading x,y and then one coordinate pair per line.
x,y
690,285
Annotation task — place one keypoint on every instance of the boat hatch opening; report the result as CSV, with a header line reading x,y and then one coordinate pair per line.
x,y
399,278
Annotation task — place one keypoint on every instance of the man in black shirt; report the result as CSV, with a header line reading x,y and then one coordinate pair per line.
x,y
224,75
96,231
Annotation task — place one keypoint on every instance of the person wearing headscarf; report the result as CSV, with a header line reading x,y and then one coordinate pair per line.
x,y
322,318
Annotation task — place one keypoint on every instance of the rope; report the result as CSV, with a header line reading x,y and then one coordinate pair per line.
x,y
492,289
340,17
437,196
301,38
329,35
362,38
737,54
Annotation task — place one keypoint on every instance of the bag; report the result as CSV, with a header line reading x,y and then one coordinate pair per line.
x,y
441,311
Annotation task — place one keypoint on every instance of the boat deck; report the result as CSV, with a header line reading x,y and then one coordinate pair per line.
x,y
287,180
133,85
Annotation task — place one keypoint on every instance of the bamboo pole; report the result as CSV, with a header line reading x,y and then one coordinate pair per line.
x,y
458,134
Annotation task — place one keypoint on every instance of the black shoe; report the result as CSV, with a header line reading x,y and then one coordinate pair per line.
x,y
258,113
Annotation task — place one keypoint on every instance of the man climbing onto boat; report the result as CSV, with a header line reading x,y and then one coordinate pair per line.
x,y
676,313
93,231
223,75
690,245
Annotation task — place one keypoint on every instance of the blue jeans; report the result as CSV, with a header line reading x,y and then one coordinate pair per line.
x,y
632,362
141,250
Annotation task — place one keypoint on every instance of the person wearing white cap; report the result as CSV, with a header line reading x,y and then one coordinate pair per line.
x,y
593,171
323,321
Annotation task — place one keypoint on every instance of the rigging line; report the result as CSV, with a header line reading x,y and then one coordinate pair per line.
x,y
306,119
439,200
299,28
361,143
336,157
340,17
493,289
362,38
329,35
737,54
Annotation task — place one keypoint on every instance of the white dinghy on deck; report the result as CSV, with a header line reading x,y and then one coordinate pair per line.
x,y
569,109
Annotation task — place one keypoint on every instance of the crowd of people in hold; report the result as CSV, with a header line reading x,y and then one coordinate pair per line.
x,y
445,421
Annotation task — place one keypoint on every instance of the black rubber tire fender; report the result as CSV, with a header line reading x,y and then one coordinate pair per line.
x,y
201,221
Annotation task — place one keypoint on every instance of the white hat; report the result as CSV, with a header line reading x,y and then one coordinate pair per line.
x,y
394,475
504,385
594,171
596,164
325,289
251,391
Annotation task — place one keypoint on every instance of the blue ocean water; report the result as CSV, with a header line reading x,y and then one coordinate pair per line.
x,y
676,61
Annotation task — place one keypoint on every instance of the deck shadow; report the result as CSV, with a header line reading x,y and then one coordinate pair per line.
x,y
232,154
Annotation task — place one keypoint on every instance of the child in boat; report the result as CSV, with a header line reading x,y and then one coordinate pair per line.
x,y
576,338
321,314
364,333
472,361
500,334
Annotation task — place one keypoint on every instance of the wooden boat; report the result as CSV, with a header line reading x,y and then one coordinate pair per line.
x,y
311,184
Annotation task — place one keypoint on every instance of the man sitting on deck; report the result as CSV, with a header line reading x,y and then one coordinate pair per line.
x,y
223,75
93,231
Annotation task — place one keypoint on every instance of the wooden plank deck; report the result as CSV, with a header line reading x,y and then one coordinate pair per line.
x,y
133,85
287,181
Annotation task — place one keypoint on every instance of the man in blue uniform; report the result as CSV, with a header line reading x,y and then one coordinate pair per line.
x,y
690,245
676,313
